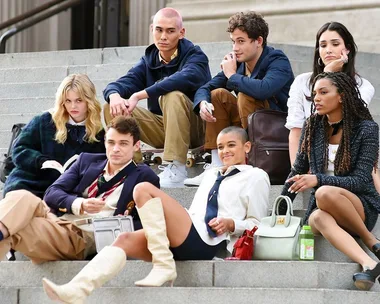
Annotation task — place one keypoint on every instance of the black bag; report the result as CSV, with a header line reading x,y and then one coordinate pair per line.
x,y
270,144
6,163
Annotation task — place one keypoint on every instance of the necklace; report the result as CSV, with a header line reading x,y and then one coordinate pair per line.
x,y
335,126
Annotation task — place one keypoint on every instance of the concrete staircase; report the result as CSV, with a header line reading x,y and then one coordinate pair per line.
x,y
28,82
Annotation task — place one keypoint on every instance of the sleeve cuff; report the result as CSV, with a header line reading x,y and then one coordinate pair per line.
x,y
77,206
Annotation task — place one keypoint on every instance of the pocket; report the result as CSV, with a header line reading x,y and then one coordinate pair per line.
x,y
275,161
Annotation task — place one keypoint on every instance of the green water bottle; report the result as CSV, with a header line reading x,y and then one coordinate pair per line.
x,y
306,239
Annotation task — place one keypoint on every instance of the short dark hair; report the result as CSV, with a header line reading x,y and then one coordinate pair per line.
x,y
250,22
239,131
126,125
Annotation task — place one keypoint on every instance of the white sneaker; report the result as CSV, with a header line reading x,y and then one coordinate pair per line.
x,y
196,181
171,177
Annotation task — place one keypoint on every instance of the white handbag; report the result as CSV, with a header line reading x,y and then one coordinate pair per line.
x,y
277,236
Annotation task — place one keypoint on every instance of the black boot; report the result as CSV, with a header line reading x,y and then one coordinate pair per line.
x,y
364,280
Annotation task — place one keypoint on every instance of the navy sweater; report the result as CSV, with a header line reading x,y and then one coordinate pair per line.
x,y
185,73
35,145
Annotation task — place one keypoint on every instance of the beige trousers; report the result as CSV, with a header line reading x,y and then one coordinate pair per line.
x,y
176,130
230,111
37,233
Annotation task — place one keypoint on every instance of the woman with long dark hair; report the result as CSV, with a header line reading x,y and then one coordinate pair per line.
x,y
335,51
338,149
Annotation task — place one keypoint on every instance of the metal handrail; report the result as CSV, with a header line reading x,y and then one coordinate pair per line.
x,y
28,14
16,29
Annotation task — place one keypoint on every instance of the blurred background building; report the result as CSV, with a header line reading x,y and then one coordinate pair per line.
x,y
106,23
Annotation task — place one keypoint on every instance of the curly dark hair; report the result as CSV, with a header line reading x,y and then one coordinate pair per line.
x,y
354,110
250,22
126,125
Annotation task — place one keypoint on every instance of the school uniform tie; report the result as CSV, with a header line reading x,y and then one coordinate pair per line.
x,y
212,203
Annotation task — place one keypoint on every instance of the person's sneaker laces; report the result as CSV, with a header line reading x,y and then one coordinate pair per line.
x,y
171,176
196,181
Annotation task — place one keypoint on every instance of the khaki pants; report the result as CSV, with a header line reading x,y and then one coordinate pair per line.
x,y
230,111
177,130
37,233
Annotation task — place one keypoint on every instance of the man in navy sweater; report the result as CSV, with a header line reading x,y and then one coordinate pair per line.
x,y
259,75
168,75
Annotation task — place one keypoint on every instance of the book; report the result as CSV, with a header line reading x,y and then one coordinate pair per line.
x,y
52,164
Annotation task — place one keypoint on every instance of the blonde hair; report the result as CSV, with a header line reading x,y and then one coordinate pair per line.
x,y
82,85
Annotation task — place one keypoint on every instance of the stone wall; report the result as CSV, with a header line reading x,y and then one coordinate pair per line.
x,y
290,21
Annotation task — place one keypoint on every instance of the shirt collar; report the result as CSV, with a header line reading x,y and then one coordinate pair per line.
x,y
106,171
72,122
162,60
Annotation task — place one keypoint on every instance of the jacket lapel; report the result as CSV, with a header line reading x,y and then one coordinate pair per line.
x,y
91,173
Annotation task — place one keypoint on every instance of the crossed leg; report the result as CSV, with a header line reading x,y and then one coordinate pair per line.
x,y
341,215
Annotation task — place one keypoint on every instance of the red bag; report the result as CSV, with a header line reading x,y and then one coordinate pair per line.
x,y
243,248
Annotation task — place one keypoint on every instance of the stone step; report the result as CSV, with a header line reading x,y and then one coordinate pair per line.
x,y
183,295
41,89
249,274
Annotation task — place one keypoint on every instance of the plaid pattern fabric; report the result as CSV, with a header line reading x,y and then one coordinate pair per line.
x,y
35,145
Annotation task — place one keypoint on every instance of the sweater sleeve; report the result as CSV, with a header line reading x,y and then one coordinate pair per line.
x,y
59,196
278,73
194,73
204,92
27,148
134,81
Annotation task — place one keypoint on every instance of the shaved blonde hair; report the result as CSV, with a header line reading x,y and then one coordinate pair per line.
x,y
169,12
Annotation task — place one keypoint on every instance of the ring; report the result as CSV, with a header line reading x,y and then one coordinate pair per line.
x,y
217,221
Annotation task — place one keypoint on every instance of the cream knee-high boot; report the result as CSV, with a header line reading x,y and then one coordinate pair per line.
x,y
153,221
103,267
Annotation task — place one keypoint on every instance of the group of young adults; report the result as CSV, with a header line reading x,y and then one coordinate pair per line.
x,y
333,146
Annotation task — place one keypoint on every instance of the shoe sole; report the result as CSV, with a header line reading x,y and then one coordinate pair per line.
x,y
362,283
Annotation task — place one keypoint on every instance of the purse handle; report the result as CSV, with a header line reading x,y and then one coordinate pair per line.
x,y
276,206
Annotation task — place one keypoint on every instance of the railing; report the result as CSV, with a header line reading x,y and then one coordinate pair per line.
x,y
28,23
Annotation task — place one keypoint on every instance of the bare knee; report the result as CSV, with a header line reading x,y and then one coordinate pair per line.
x,y
142,192
122,240
317,220
326,197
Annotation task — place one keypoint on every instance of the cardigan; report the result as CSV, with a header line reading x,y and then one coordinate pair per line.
x,y
35,145
364,150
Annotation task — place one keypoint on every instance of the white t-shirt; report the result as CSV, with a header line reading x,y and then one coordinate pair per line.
x,y
299,106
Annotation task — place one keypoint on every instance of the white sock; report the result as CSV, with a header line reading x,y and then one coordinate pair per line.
x,y
180,166
215,160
